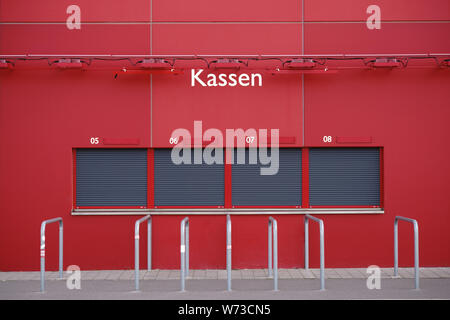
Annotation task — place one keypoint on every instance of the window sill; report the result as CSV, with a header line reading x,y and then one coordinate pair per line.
x,y
234,211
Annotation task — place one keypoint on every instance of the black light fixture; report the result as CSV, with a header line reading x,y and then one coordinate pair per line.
x,y
154,64
72,63
6,65
225,63
386,63
299,64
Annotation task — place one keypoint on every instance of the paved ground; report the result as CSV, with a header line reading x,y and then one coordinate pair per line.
x,y
246,284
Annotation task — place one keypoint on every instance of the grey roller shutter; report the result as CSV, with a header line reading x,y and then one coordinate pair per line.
x,y
250,188
187,184
344,177
111,177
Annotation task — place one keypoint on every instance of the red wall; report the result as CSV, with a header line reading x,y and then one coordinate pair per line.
x,y
44,113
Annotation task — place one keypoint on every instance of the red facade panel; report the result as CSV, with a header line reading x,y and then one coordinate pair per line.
x,y
58,39
356,10
91,11
226,39
392,38
233,10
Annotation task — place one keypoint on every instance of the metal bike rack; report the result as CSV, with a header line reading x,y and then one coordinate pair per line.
x,y
228,252
136,248
416,247
184,251
322,249
42,248
273,230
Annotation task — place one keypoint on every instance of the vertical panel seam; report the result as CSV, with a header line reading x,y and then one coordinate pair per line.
x,y
303,76
151,76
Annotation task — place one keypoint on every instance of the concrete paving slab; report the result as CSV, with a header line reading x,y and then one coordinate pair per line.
x,y
358,273
142,274
446,271
174,274
103,274
211,274
316,272
163,274
89,275
113,275
24,275
442,273
406,273
54,275
151,275
35,276
284,274
343,273
260,273
127,275
427,273
199,274
247,274
295,273
331,274
307,274
387,272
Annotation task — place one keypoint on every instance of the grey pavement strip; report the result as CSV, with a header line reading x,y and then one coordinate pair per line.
x,y
216,274
210,289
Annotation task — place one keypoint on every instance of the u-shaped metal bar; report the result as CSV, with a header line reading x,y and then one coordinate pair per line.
x,y
136,248
273,231
416,247
228,252
42,249
184,252
322,248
